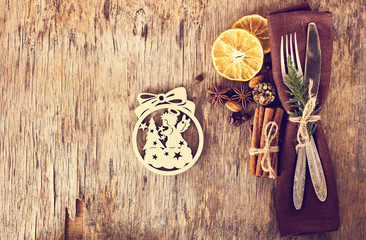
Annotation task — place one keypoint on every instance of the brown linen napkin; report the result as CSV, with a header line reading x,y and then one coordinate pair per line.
x,y
314,216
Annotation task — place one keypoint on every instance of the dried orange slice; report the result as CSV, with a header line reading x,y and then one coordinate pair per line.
x,y
258,26
237,55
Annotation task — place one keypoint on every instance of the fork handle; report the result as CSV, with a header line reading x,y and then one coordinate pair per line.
x,y
299,179
316,170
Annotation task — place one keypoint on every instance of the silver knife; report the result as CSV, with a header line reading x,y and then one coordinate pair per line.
x,y
312,71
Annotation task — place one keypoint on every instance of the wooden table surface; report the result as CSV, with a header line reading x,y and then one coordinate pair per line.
x,y
70,72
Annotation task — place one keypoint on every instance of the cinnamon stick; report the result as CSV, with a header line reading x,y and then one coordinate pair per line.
x,y
268,114
274,155
257,128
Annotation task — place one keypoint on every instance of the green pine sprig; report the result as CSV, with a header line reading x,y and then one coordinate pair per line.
x,y
299,94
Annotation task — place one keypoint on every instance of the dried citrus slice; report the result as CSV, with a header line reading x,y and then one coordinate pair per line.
x,y
258,26
237,55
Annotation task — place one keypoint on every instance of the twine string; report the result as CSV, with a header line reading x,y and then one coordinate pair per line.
x,y
303,137
270,133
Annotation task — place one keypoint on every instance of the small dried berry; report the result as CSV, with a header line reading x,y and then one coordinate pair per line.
x,y
198,78
245,117
237,123
236,116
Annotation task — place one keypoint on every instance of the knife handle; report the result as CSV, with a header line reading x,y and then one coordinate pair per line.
x,y
299,179
316,170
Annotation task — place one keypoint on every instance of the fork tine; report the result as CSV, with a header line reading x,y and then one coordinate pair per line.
x,y
286,49
291,52
283,69
297,57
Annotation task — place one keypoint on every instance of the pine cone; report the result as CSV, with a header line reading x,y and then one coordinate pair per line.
x,y
264,93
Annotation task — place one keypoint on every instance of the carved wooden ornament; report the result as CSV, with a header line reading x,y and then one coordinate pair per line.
x,y
162,148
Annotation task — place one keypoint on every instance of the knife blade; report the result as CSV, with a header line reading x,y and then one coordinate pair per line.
x,y
312,72
313,58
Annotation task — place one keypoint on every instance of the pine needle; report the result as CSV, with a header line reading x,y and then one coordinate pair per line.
x,y
299,92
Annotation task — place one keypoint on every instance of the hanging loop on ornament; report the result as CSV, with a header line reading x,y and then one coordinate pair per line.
x,y
161,97
177,97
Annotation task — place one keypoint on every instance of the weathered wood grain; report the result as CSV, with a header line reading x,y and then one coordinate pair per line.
x,y
70,72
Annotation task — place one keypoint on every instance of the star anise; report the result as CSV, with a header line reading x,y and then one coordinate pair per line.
x,y
242,95
217,94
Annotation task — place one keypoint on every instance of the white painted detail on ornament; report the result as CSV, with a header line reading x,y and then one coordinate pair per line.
x,y
165,150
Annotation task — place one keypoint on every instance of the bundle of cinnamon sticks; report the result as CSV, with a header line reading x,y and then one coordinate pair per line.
x,y
262,116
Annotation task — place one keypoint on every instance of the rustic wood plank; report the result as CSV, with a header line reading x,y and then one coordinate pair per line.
x,y
70,72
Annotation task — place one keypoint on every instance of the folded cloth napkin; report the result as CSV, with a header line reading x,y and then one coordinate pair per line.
x,y
314,216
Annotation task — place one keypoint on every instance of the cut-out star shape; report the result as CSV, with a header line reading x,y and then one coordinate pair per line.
x,y
143,126
155,157
181,143
166,154
155,142
152,130
162,137
177,155
161,128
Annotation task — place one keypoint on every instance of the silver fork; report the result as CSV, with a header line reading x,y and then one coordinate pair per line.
x,y
300,170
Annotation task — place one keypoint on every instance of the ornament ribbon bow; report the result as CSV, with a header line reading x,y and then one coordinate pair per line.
x,y
177,97
270,133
